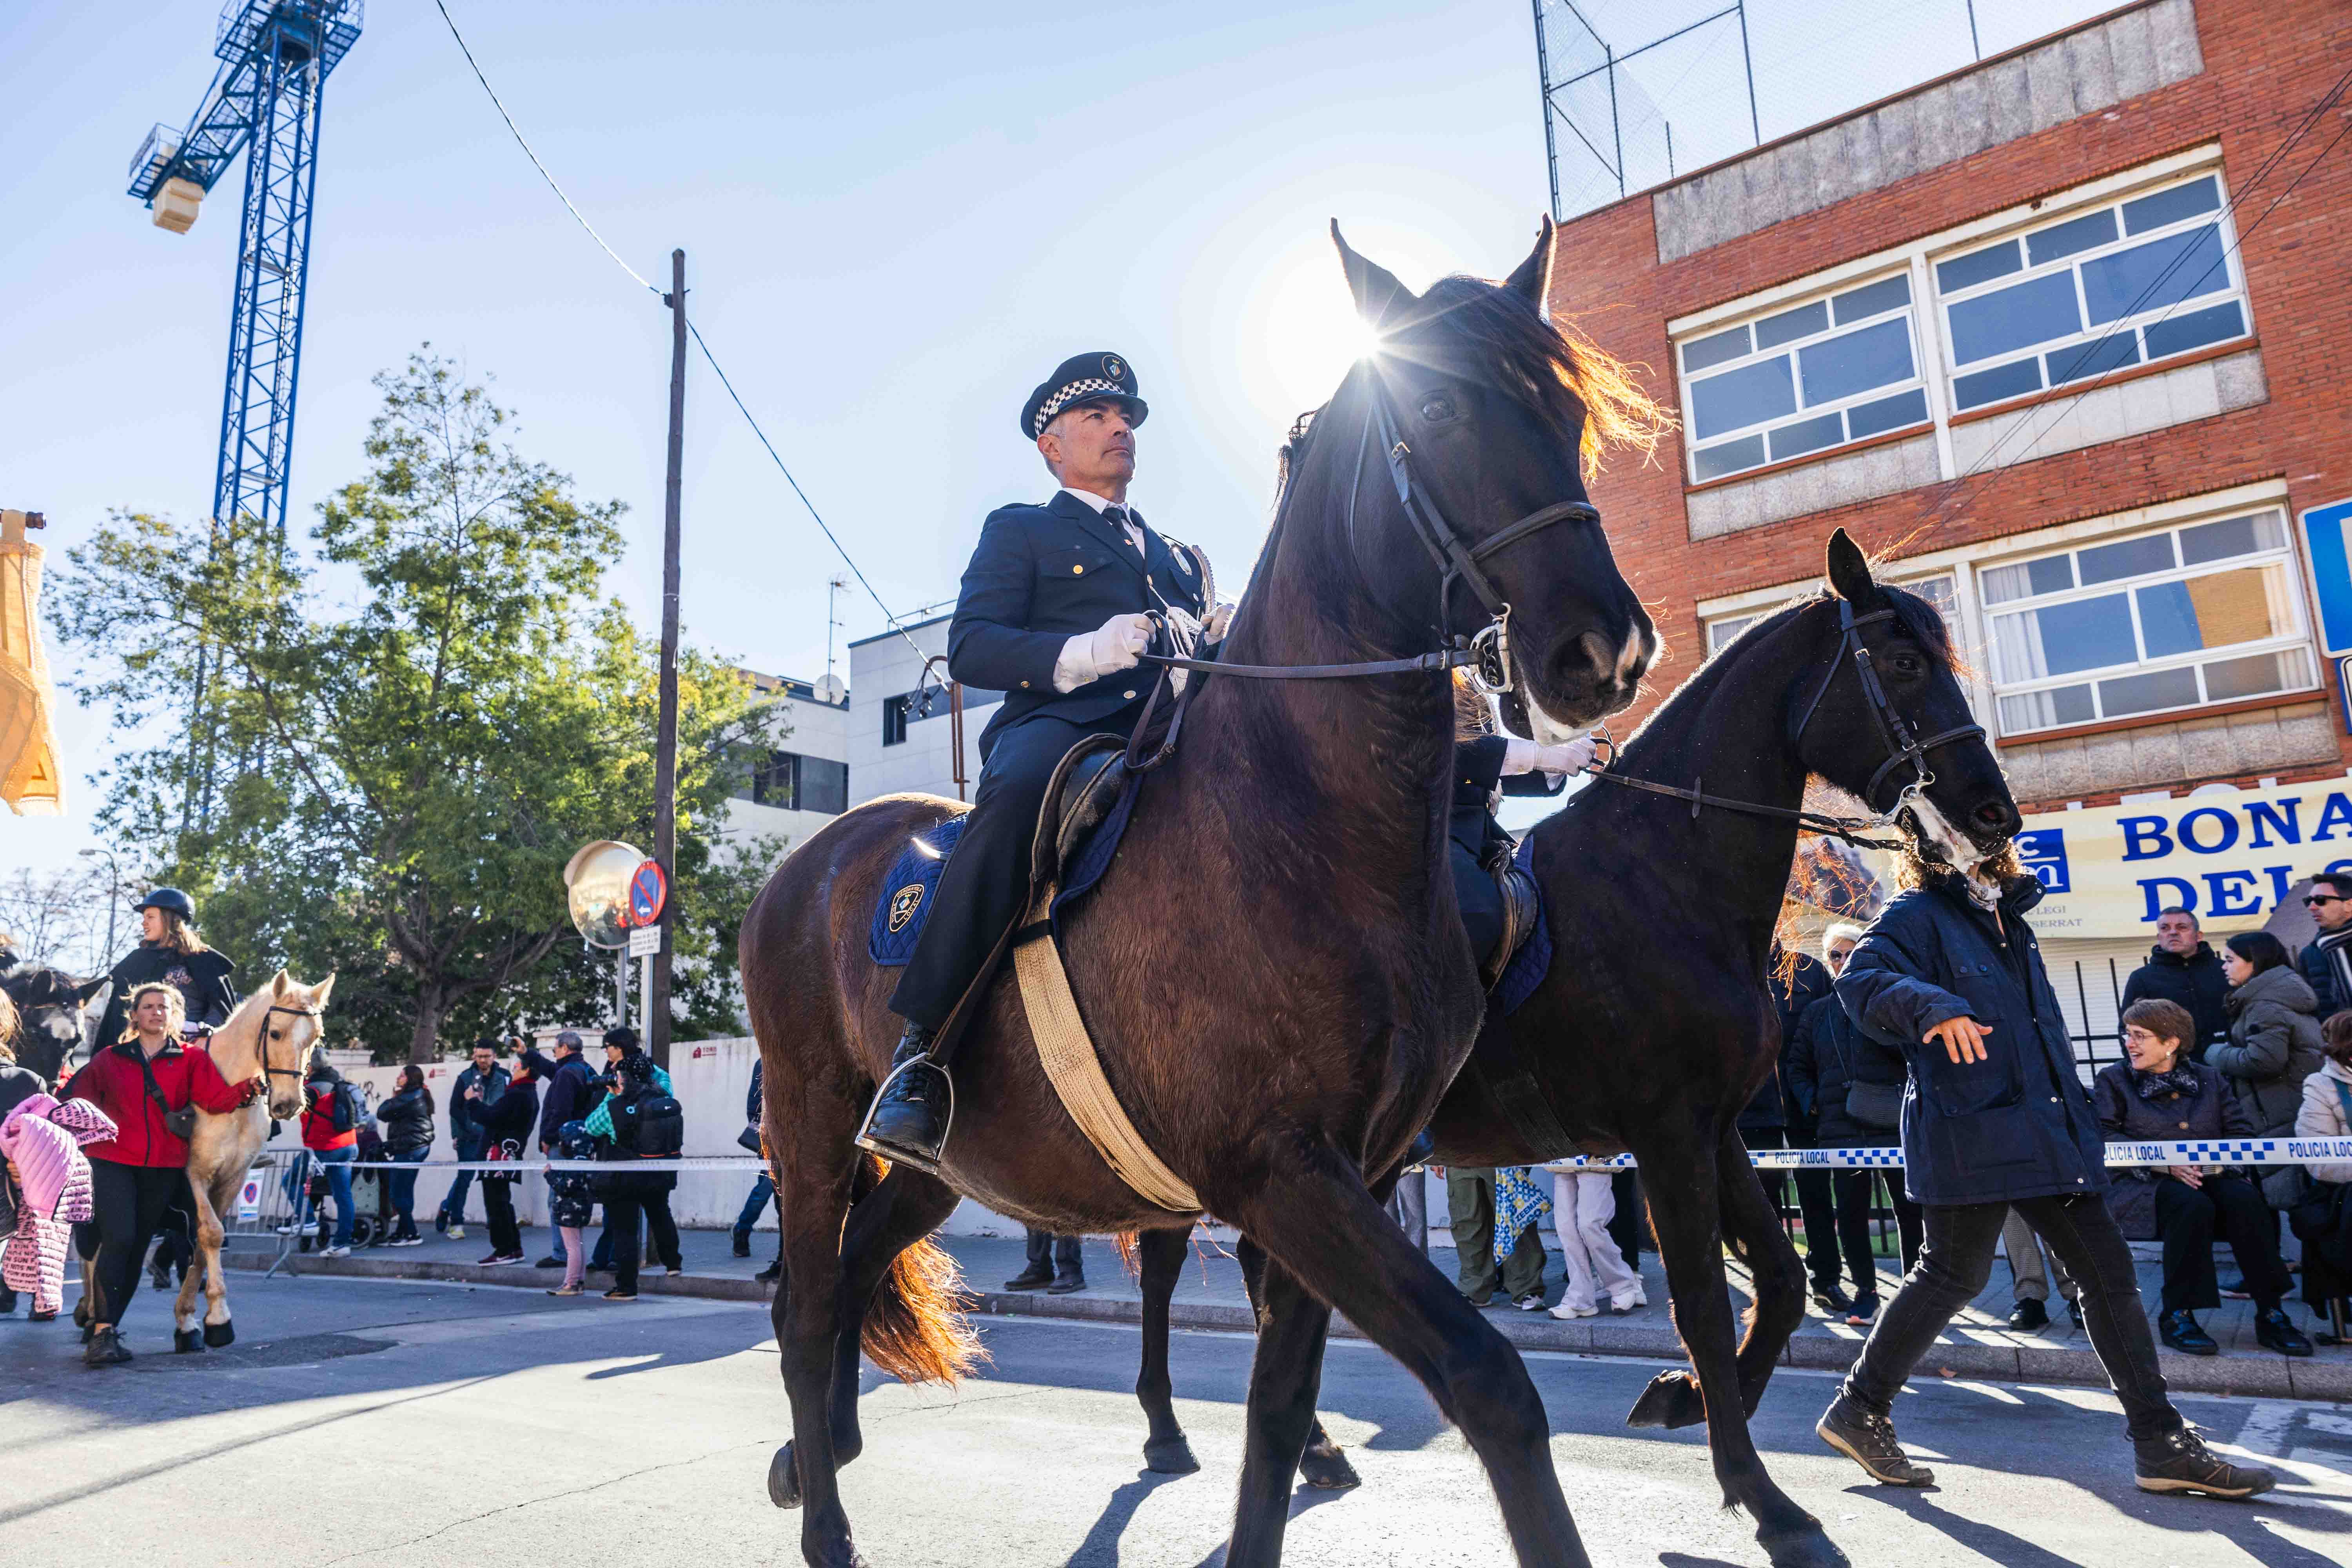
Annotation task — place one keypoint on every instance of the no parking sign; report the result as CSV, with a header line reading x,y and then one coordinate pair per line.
x,y
248,1198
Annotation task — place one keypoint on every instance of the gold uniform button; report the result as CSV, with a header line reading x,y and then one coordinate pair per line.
x,y
1024,684
1130,696
2184,1127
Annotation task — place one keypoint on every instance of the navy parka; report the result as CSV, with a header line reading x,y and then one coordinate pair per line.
x,y
2015,1125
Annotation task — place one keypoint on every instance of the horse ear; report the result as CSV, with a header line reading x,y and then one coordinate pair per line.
x,y
278,984
1376,289
1531,280
319,992
1849,573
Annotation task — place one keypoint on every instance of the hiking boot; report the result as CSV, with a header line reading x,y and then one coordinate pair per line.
x,y
1869,1441
911,1115
2029,1315
2179,1330
740,1244
2181,1462
1036,1277
106,1349
2276,1332
1064,1283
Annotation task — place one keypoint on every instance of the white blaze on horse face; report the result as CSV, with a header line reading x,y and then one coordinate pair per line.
x,y
1958,849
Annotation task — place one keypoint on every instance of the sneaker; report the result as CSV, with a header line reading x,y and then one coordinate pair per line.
x,y
1064,1283
2029,1315
2179,1330
620,1295
1481,1298
565,1290
410,1240
290,1228
549,1263
1528,1304
501,1259
334,1252
2235,1290
441,1223
2180,1462
1631,1300
1869,1441
1568,1309
2275,1331
1831,1300
768,1275
739,1245
456,1233
1865,1308
107,1349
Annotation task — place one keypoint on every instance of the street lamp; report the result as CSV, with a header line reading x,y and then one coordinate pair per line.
x,y
113,898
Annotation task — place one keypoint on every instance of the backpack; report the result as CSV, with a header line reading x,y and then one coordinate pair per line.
x,y
657,1126
346,1111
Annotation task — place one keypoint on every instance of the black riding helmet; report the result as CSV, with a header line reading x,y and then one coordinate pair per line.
x,y
171,899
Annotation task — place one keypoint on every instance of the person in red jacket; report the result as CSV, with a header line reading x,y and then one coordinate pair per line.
x,y
139,1081
331,1132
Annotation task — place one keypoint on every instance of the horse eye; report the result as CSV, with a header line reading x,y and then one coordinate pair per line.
x,y
1437,408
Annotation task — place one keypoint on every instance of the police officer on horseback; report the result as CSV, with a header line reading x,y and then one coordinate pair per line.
x,y
1055,609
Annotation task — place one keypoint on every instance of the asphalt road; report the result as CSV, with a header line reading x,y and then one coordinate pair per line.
x,y
358,1422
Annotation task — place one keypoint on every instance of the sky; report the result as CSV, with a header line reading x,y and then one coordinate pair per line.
x,y
896,220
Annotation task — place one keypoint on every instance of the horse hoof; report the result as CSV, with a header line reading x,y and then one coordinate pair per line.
x,y
1671,1400
186,1342
785,1478
1169,1457
1805,1547
1323,1466
220,1334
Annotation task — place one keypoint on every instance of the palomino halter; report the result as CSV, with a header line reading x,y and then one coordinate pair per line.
x,y
261,1039
1457,558
1902,745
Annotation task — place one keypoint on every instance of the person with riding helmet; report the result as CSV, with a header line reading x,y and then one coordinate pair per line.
x,y
1055,609
171,950
144,1080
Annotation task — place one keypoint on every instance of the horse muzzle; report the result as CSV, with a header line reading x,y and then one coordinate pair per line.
x,y
1586,678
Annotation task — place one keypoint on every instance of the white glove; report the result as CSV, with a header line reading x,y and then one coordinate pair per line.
x,y
1568,757
1220,617
1120,642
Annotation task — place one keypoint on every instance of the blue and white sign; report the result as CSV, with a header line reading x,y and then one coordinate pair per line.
x,y
2331,572
2043,853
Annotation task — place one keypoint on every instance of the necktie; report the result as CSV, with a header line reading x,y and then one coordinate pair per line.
x,y
1126,526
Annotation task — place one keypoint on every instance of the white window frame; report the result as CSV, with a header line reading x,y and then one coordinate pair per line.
x,y
1931,332
2298,635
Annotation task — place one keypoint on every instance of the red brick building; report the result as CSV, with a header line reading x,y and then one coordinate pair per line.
x,y
2060,335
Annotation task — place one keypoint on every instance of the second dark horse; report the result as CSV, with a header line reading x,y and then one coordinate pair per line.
x,y
1657,1049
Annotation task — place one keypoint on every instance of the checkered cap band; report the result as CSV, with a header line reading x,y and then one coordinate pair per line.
x,y
1063,398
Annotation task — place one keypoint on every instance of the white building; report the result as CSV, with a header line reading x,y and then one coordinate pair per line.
x,y
802,783
902,731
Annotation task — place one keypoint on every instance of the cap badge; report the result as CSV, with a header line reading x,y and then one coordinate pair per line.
x,y
1114,368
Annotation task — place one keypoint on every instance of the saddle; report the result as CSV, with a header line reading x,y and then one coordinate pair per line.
x,y
1522,911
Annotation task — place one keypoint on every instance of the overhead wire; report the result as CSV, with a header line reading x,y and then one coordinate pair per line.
x,y
590,229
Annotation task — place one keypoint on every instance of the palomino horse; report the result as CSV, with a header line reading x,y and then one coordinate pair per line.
x,y
269,1038
1274,968
1654,1026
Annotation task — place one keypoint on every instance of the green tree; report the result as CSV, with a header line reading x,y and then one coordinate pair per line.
x,y
404,740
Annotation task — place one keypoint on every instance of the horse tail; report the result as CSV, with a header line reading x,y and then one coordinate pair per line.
x,y
915,1329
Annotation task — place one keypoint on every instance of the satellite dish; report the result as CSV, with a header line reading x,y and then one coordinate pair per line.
x,y
831,689
598,878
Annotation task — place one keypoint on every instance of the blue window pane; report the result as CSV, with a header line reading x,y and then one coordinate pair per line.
x,y
2012,318
2069,238
1874,300
2051,574
2168,620
2146,693
1886,413
2177,335
2170,207
1749,395
1701,353
1714,462
1857,361
1790,325
1806,436
2087,635
1977,265
2230,536
2087,360
1992,385
2150,276
2105,563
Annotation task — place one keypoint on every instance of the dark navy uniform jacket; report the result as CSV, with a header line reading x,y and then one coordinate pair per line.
x,y
1041,576
1477,770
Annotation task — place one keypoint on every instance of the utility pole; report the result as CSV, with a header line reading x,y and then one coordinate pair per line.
x,y
666,746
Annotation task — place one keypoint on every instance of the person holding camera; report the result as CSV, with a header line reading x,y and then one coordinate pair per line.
x,y
637,1119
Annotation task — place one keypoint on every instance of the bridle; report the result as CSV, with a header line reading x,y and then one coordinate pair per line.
x,y
1486,653
1902,747
261,1040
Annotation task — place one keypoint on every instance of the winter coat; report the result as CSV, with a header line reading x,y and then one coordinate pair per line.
x,y
513,1119
408,1123
327,1102
2015,1125
1828,1057
618,1114
751,1100
465,1115
201,978
111,1081
2211,1112
2273,1046
572,1091
570,1200
1771,1108
2195,983
19,1085
43,1139
2323,964
2323,1116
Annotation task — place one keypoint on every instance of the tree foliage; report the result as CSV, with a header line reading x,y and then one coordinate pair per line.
x,y
405,737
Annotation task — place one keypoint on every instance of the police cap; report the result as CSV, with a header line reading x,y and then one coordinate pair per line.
x,y
1079,380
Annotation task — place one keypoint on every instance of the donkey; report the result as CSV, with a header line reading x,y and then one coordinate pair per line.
x,y
270,1036
49,1003
1657,1048
1273,967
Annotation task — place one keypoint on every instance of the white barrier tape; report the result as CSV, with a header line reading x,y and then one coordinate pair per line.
x,y
2215,1151
749,1164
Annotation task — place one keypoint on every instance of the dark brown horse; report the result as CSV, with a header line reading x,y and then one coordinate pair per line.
x,y
1274,971
1654,1026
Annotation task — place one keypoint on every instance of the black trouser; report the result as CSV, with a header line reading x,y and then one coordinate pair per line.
x,y
1956,1264
1813,1202
2186,1219
621,1215
984,882
1854,1192
128,1201
1625,1225
498,1202
1480,901
1058,1253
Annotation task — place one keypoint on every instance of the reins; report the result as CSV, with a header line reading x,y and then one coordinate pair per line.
x,y
1902,747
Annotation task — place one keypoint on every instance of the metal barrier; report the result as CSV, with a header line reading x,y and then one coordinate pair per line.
x,y
256,1217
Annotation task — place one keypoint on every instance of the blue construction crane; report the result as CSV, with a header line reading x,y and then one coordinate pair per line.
x,y
276,55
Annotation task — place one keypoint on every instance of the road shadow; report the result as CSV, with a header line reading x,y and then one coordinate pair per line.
x,y
2243,1524
1100,1547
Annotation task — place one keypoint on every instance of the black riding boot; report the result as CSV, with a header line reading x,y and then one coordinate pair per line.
x,y
910,1116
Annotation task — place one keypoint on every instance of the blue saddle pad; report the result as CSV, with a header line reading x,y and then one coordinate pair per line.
x,y
1533,960
1094,855
905,904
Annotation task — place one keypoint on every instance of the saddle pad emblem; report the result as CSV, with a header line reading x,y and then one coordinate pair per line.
x,y
903,905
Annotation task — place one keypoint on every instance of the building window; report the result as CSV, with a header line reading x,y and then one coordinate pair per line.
x,y
823,785
2149,624
894,720
1937,590
790,782
1833,371
2129,283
